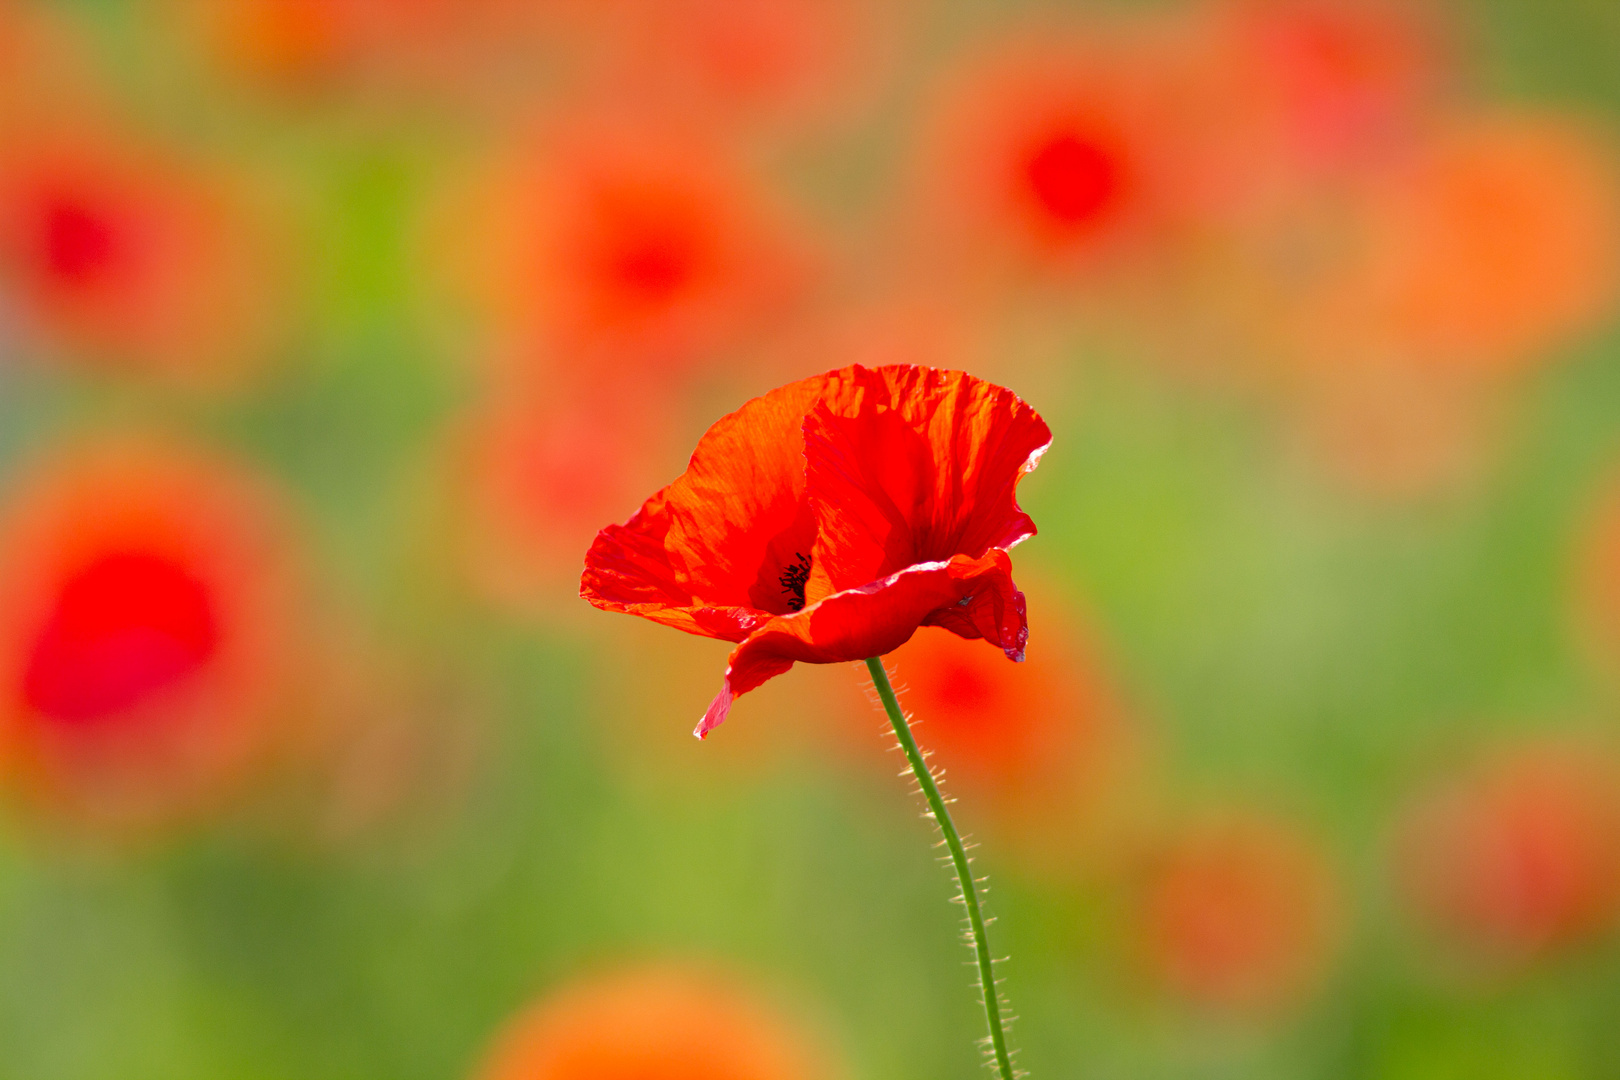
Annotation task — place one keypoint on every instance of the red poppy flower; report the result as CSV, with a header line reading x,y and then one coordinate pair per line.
x,y
1239,913
651,1024
147,643
829,519
1519,856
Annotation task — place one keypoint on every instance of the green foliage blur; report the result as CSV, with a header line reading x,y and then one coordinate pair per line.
x,y
1275,641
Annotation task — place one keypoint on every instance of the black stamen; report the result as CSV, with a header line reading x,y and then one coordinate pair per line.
x,y
793,579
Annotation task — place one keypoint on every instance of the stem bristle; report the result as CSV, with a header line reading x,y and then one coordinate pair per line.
x,y
968,887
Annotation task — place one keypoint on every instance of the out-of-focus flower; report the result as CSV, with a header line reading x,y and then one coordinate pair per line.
x,y
1067,150
828,520
152,617
773,61
652,1024
1518,856
632,250
537,469
1033,743
1047,151
123,257
1400,309
1331,84
1239,913
1490,248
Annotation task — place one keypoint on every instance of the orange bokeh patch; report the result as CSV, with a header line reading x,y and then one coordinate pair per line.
x,y
1494,245
652,1024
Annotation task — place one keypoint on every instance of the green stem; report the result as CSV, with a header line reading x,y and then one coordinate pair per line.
x,y
959,858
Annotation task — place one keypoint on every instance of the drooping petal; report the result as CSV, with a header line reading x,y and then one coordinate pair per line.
x,y
970,597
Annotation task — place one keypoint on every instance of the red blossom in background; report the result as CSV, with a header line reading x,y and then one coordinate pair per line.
x,y
1519,856
131,258
1492,246
1336,84
1038,744
631,248
1046,152
149,607
1239,913
536,468
827,520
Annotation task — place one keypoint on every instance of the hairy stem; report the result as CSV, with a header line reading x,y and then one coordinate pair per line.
x,y
959,859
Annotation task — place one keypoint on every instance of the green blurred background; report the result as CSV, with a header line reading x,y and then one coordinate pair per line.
x,y
526,807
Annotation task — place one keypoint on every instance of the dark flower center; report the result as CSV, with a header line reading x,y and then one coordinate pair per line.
x,y
793,579
124,628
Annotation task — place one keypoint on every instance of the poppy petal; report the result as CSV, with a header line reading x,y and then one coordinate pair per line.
x,y
704,554
970,597
924,466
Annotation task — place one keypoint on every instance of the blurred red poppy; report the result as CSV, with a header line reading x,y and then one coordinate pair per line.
x,y
124,257
148,605
1240,913
1336,83
829,519
632,246
538,468
1033,743
651,1024
1063,148
1046,146
1520,855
